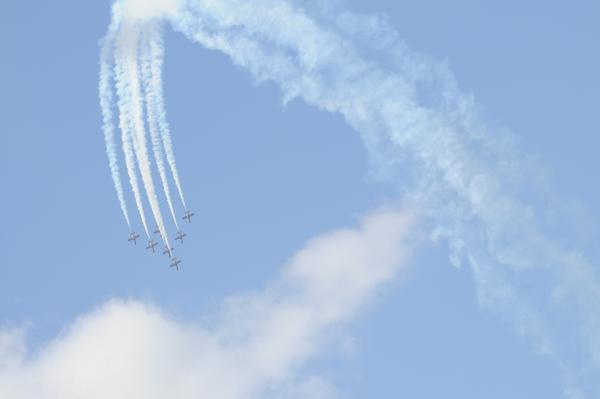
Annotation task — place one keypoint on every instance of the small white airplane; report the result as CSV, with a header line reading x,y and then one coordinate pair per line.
x,y
133,237
151,245
168,251
180,236
188,216
175,263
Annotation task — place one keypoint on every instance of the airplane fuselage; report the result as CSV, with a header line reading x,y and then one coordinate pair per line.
x,y
133,237
180,236
175,263
188,216
151,245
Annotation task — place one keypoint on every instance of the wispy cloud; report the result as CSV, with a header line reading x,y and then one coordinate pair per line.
x,y
255,347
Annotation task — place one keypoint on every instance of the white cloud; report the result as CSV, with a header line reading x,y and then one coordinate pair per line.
x,y
256,347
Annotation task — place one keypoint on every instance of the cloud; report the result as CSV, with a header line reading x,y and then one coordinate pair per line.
x,y
255,346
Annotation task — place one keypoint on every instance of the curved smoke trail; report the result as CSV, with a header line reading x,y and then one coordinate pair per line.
x,y
106,101
125,122
463,176
157,54
470,182
147,60
138,53
132,35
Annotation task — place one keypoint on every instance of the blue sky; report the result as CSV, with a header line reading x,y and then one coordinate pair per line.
x,y
265,177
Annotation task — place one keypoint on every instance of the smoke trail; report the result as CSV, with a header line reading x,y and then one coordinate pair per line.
x,y
125,123
416,118
157,54
150,33
106,101
130,38
413,120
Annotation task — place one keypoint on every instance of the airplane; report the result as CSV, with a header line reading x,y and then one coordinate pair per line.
x,y
175,263
168,251
188,216
133,237
180,236
157,231
151,245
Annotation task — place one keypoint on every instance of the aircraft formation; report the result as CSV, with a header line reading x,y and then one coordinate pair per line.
x,y
152,244
131,59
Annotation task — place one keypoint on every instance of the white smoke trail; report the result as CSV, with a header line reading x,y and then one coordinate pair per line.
x,y
106,101
125,122
416,118
130,38
150,33
157,54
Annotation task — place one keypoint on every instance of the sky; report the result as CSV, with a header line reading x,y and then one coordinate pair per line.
x,y
315,265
